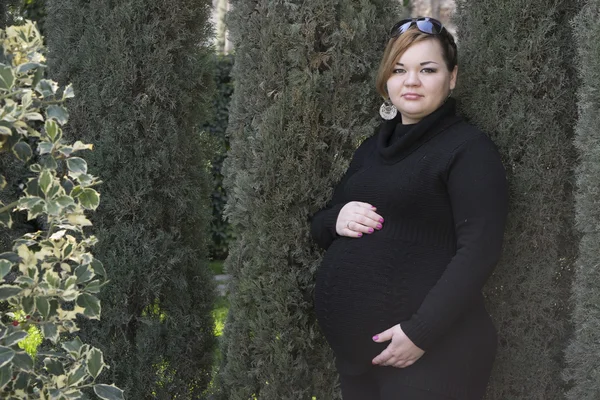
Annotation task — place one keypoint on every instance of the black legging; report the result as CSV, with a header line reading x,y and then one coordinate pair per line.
x,y
373,386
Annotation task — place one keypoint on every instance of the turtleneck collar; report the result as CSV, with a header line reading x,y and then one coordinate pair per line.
x,y
396,141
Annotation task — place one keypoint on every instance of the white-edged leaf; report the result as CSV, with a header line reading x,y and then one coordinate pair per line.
x,y
14,338
5,267
89,199
95,362
91,304
7,77
58,113
68,93
52,129
43,306
77,165
45,180
6,292
108,392
23,151
6,355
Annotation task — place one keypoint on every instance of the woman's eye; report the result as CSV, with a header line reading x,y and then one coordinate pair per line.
x,y
428,70
398,71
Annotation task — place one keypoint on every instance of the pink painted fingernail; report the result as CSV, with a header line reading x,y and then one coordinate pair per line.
x,y
360,234
379,226
371,230
376,337
381,220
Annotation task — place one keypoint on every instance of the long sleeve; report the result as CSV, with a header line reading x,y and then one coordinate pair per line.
x,y
477,188
322,223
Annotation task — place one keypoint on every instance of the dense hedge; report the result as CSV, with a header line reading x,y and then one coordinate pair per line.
x,y
142,74
582,354
221,231
304,95
517,82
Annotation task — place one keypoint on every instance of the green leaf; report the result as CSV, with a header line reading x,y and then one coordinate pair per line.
x,y
21,69
84,273
34,116
98,267
76,376
68,93
93,287
46,88
23,151
95,362
39,74
6,355
10,256
6,220
5,267
43,306
54,367
45,180
91,304
14,338
108,392
52,130
49,162
27,303
65,201
2,182
5,375
5,130
7,77
58,113
73,347
77,165
89,199
45,148
50,332
6,292
23,361
52,278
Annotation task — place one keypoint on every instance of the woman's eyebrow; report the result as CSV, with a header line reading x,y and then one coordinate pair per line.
x,y
423,63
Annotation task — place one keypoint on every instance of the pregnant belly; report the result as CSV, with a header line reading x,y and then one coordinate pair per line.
x,y
368,285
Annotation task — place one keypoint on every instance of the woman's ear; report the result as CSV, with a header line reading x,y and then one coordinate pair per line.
x,y
453,76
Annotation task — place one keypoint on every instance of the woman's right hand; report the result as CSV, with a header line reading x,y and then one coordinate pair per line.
x,y
357,218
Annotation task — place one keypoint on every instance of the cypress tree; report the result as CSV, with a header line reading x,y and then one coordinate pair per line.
x,y
517,83
303,97
582,353
142,75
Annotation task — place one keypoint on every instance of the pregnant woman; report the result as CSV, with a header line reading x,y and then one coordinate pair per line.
x,y
412,232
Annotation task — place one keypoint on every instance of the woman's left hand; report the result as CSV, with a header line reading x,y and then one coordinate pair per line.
x,y
400,353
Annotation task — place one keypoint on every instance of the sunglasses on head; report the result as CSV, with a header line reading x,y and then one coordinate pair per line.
x,y
425,24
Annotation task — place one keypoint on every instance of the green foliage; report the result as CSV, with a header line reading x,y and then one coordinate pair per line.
x,y
50,276
221,231
583,363
304,95
516,82
142,70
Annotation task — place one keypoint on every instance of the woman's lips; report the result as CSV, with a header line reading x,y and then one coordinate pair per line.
x,y
411,96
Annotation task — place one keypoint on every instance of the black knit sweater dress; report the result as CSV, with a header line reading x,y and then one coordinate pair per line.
x,y
441,188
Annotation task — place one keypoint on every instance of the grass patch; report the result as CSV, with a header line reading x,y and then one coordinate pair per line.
x,y
217,267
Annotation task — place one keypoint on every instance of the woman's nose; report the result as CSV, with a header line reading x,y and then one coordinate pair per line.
x,y
412,79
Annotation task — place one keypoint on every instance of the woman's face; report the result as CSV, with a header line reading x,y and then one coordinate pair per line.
x,y
420,82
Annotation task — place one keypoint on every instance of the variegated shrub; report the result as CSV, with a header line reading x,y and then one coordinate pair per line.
x,y
50,276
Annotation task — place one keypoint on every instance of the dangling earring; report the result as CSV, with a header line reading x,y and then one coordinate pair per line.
x,y
388,110
449,94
